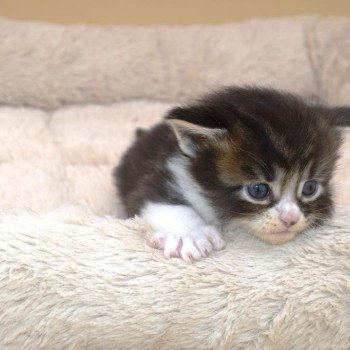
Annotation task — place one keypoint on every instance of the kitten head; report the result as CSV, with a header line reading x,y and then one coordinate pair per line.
x,y
263,159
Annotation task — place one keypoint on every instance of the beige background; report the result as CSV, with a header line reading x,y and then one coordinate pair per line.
x,y
146,12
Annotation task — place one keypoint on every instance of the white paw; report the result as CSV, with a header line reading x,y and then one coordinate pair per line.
x,y
191,244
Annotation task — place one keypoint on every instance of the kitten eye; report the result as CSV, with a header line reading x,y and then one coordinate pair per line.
x,y
259,190
309,188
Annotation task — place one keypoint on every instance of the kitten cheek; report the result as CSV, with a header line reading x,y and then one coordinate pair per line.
x,y
316,220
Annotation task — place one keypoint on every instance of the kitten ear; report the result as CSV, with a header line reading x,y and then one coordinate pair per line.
x,y
194,127
199,115
338,116
192,137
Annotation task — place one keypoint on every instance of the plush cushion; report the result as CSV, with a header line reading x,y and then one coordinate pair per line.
x,y
72,274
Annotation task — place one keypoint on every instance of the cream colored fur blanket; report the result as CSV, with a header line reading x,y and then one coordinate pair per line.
x,y
75,277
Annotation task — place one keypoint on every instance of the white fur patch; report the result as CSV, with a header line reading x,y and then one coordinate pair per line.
x,y
181,232
190,189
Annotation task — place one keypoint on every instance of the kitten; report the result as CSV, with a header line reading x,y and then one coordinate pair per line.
x,y
240,157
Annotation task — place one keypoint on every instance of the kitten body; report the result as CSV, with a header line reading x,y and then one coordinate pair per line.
x,y
249,157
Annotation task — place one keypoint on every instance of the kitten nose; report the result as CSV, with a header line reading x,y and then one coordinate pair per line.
x,y
288,222
289,218
289,214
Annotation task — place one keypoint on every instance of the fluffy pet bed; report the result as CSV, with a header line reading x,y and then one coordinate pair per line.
x,y
73,276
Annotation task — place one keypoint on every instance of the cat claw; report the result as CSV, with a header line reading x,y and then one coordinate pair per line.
x,y
157,242
214,237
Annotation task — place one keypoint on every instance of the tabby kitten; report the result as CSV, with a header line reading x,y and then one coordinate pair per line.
x,y
241,157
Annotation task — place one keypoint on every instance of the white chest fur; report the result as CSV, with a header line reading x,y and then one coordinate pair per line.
x,y
190,189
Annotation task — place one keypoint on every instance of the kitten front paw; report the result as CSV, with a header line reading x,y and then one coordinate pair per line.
x,y
191,245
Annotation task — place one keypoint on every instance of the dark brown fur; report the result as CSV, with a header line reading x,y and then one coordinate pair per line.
x,y
142,174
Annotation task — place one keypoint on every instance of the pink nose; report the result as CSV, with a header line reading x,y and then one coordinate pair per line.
x,y
289,218
288,212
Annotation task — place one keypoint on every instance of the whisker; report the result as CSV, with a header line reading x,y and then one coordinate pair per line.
x,y
237,213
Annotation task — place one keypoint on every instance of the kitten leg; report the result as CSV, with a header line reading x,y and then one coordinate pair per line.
x,y
181,232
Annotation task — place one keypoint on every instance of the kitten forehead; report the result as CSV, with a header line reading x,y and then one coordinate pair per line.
x,y
247,159
289,185
287,182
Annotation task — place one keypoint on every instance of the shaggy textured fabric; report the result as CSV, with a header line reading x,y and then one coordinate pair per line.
x,y
72,280
72,275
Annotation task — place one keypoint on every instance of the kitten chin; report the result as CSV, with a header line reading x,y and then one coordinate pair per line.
x,y
252,157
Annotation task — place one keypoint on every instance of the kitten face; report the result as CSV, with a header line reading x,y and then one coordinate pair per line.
x,y
264,159
276,208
